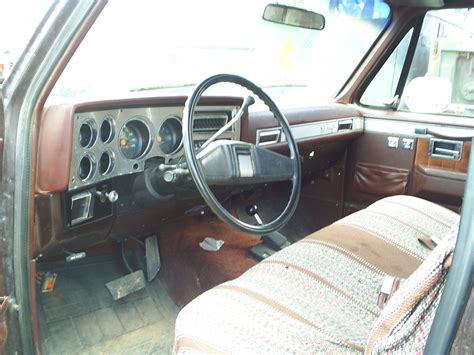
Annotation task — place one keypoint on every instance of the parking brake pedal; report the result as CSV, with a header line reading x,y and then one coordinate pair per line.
x,y
74,256
152,255
126,285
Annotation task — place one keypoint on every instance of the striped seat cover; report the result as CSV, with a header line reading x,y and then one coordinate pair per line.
x,y
320,294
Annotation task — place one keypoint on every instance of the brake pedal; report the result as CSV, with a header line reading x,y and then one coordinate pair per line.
x,y
126,285
152,255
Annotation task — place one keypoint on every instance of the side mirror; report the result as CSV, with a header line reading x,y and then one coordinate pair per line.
x,y
428,94
293,16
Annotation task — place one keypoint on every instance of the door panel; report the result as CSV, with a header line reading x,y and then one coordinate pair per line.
x,y
439,179
376,170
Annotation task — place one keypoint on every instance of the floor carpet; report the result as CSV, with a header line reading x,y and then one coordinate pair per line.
x,y
187,269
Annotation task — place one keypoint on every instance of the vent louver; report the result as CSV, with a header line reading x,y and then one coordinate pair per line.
x,y
210,122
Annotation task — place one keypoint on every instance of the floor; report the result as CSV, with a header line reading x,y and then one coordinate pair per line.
x,y
80,317
299,226
187,270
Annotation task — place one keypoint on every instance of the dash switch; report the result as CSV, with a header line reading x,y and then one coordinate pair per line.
x,y
392,142
408,143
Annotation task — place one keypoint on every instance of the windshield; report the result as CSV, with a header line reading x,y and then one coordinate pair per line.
x,y
17,24
158,48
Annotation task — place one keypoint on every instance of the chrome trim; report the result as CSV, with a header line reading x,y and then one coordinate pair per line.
x,y
85,215
92,125
268,132
180,145
150,139
111,165
111,136
451,154
153,117
317,129
93,164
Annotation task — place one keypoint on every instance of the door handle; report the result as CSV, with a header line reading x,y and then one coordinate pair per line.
x,y
445,151
441,148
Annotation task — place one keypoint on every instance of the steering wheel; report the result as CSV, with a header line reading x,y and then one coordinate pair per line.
x,y
224,162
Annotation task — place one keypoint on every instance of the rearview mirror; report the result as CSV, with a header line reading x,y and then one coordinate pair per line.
x,y
293,16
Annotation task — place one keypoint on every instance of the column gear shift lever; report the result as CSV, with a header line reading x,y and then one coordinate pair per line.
x,y
252,211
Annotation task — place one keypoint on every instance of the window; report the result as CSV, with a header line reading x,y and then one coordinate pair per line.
x,y
18,21
381,91
441,76
166,47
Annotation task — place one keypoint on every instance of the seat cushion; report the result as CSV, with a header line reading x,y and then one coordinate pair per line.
x,y
401,220
296,300
320,294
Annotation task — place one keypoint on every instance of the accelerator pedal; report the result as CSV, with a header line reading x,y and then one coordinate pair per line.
x,y
261,251
126,285
152,255
276,241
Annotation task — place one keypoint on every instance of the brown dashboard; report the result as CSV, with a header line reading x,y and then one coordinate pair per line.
x,y
72,134
88,150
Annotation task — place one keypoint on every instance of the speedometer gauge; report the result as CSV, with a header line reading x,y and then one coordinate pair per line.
x,y
134,139
170,136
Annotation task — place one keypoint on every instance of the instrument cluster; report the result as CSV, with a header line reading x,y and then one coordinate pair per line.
x,y
116,142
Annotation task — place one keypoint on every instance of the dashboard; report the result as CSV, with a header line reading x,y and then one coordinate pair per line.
x,y
98,163
115,142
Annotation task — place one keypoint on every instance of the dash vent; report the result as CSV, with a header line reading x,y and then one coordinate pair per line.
x,y
344,125
210,121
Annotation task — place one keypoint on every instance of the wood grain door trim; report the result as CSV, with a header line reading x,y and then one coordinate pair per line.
x,y
423,158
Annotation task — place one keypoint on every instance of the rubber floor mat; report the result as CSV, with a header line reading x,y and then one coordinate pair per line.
x,y
80,316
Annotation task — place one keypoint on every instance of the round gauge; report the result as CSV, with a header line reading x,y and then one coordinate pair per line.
x,y
87,134
134,139
170,136
107,130
86,168
106,163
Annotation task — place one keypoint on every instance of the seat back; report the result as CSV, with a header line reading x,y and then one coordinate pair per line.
x,y
405,321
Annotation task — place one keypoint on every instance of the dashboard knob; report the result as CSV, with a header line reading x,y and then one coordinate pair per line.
x,y
169,176
112,196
